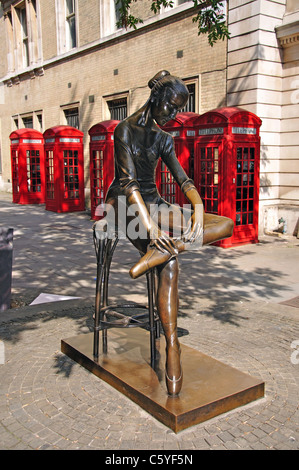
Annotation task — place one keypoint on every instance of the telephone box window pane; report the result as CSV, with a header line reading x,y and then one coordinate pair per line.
x,y
50,174
244,188
33,171
191,163
168,189
98,177
209,178
15,171
71,179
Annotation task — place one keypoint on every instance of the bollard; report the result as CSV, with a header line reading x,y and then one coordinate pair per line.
x,y
6,247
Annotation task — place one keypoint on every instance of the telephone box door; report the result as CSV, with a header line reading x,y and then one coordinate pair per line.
x,y
101,176
101,149
245,192
207,175
165,182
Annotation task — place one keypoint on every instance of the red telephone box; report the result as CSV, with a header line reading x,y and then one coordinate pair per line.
x,y
181,129
101,149
226,172
27,166
64,169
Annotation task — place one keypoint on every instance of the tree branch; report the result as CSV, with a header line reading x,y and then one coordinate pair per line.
x,y
209,16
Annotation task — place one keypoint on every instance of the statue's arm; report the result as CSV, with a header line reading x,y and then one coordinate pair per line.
x,y
189,190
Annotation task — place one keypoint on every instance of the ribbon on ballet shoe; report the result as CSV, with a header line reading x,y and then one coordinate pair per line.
x,y
174,385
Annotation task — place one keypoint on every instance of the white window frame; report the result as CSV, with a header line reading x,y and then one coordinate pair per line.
x,y
108,18
106,99
62,26
23,29
194,81
67,107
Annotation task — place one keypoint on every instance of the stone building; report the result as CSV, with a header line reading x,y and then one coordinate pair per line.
x,y
65,62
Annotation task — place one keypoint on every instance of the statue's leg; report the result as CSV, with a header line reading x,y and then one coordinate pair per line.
x,y
167,306
216,228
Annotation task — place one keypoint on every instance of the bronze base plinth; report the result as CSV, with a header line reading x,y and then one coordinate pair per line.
x,y
209,386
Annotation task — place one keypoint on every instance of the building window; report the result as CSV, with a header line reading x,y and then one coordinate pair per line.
x,y
66,25
10,41
15,122
28,122
72,117
39,118
175,3
71,40
23,32
109,16
21,12
118,109
190,106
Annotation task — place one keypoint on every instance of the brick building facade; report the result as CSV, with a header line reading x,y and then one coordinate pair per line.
x,y
66,62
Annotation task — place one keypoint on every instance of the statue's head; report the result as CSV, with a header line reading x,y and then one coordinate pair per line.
x,y
169,95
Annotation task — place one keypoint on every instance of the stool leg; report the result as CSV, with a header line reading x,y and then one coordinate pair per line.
x,y
109,251
150,288
155,282
98,302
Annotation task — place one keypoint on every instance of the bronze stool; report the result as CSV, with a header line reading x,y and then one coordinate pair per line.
x,y
111,316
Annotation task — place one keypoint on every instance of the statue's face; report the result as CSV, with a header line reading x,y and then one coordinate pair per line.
x,y
166,106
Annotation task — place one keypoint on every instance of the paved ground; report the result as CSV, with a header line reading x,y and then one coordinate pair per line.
x,y
230,309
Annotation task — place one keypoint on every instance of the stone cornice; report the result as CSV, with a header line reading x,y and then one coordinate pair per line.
x,y
288,34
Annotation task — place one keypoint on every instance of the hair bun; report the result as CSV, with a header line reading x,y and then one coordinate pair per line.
x,y
157,78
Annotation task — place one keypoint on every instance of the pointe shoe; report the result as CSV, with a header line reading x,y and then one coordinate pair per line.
x,y
174,385
152,258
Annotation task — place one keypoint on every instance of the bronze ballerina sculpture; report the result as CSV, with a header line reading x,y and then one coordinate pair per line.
x,y
139,142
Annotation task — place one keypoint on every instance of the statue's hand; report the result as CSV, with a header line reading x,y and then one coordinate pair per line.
x,y
195,227
163,242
